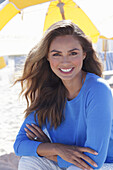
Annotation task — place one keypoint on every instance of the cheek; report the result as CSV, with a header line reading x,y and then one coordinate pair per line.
x,y
53,63
78,61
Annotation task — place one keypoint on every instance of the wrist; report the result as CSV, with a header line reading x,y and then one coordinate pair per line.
x,y
56,148
47,149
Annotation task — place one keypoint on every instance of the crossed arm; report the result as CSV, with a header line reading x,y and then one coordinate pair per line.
x,y
70,153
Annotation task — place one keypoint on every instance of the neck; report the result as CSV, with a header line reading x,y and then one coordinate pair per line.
x,y
75,86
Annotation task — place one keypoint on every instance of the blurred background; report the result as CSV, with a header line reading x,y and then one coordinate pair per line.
x,y
22,26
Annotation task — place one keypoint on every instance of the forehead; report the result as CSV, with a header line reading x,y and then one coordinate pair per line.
x,y
65,41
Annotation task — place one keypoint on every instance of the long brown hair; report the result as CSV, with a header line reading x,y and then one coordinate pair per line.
x,y
43,90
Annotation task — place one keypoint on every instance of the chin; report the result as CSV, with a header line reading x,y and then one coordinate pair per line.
x,y
66,79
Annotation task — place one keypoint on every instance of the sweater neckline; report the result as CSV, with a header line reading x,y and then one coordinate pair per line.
x,y
80,92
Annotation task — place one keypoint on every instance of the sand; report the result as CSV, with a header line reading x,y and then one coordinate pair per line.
x,y
11,118
9,162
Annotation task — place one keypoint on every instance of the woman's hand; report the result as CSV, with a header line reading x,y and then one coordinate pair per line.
x,y
75,155
35,133
69,153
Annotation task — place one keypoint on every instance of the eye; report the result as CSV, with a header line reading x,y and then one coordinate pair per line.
x,y
73,53
56,54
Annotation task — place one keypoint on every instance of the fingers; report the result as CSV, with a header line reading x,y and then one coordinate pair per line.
x,y
43,135
85,157
88,159
86,149
76,163
32,132
38,129
75,155
35,131
81,164
29,134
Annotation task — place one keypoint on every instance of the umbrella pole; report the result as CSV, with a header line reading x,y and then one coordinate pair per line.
x,y
60,5
105,50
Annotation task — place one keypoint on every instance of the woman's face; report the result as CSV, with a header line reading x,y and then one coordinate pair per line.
x,y
66,57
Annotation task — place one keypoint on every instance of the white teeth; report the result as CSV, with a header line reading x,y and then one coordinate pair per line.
x,y
66,70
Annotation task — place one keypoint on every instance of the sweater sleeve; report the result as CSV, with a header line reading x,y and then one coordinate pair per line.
x,y
23,146
98,121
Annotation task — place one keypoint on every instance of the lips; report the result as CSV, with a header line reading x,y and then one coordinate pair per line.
x,y
66,70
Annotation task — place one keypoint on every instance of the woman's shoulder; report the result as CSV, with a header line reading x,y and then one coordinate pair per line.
x,y
94,81
30,117
95,85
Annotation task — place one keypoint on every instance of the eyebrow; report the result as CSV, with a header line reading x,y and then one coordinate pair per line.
x,y
73,49
68,51
55,51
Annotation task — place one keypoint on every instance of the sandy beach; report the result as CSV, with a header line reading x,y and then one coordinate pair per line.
x,y
11,116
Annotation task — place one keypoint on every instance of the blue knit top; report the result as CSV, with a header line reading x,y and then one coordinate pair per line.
x,y
88,123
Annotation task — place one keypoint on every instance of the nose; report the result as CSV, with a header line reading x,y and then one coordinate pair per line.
x,y
65,59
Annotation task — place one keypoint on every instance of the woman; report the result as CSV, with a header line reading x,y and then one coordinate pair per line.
x,y
66,96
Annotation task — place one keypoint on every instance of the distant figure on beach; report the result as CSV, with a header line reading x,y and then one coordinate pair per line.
x,y
68,120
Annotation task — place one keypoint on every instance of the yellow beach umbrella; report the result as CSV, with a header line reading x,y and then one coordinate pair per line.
x,y
69,10
58,10
9,8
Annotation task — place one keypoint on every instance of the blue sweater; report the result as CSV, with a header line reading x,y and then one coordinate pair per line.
x,y
88,123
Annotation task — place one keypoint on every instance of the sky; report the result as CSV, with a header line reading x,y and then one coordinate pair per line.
x,y
100,13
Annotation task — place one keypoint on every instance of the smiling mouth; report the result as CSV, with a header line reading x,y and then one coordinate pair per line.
x,y
66,70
